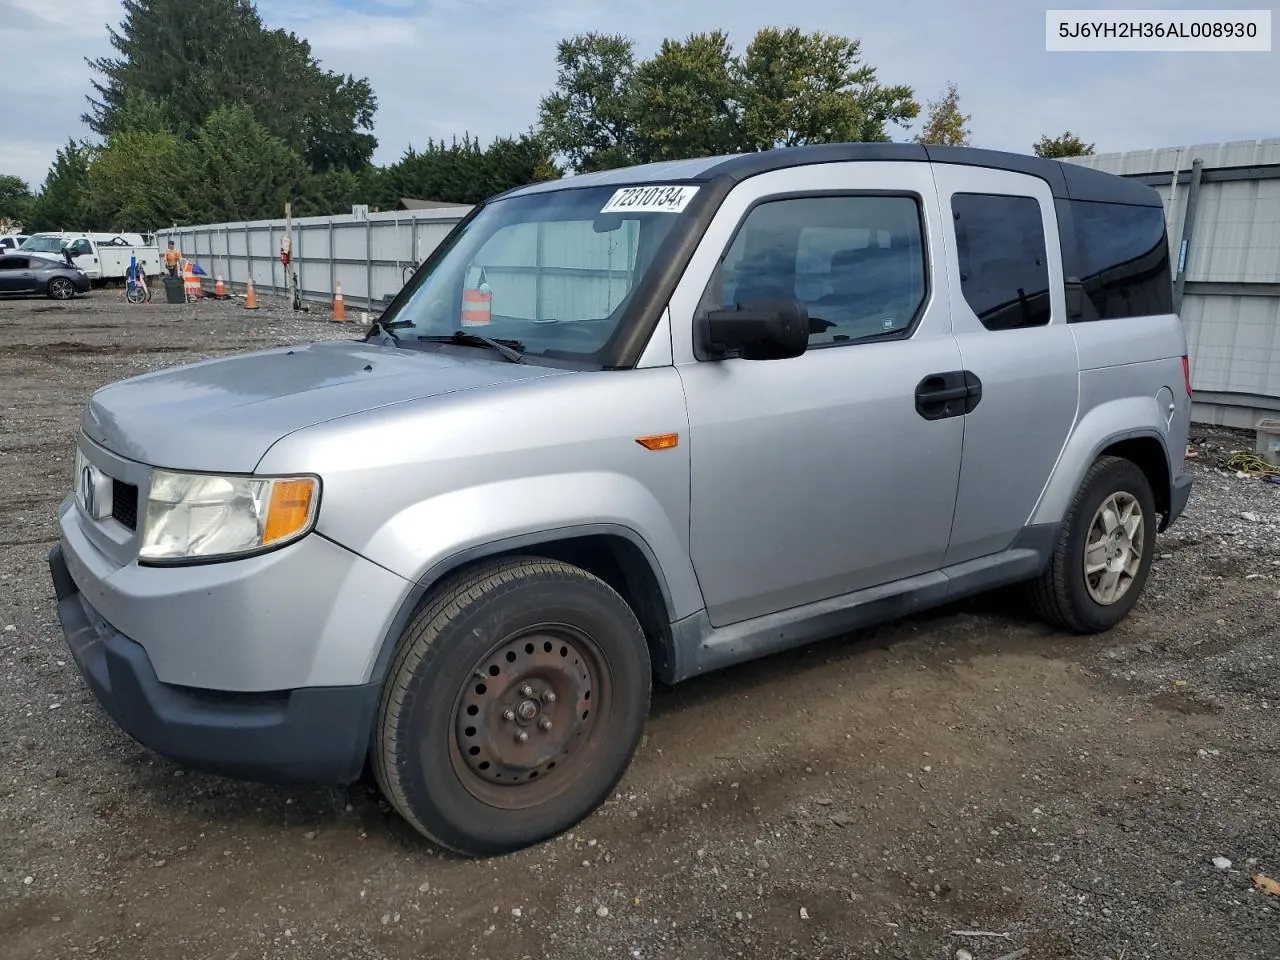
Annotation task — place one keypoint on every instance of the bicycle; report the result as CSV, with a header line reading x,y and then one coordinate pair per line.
x,y
136,289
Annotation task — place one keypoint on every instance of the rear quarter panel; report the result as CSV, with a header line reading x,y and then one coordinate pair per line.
x,y
1131,385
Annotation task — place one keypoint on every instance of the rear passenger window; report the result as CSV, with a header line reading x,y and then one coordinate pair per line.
x,y
1004,272
856,263
1124,260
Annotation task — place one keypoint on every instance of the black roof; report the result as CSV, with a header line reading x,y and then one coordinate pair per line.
x,y
1066,180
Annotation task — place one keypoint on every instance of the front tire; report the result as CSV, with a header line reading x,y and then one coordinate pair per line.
x,y
513,706
60,288
1102,558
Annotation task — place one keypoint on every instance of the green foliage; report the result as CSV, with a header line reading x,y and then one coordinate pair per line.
x,y
682,101
206,115
589,117
1066,145
945,124
696,97
15,202
62,202
803,88
137,182
465,172
183,59
236,170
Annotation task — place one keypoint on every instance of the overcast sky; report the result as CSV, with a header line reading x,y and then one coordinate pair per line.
x,y
444,67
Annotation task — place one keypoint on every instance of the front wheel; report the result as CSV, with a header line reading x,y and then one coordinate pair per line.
x,y
1103,555
513,706
60,288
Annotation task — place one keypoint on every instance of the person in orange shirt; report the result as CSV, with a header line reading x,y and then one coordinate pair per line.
x,y
172,259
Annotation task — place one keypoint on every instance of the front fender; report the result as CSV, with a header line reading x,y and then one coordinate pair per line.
x,y
1124,418
429,537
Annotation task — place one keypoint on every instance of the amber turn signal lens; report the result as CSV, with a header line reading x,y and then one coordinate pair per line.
x,y
660,441
290,509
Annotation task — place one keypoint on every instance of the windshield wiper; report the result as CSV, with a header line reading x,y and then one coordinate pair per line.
x,y
510,349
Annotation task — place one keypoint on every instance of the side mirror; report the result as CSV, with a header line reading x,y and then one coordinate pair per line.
x,y
1075,298
757,330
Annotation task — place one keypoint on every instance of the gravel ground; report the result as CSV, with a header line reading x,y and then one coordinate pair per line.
x,y
910,792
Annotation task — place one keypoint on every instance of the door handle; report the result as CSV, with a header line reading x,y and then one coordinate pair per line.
x,y
950,394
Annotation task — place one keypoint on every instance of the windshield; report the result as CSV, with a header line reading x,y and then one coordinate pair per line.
x,y
43,244
551,272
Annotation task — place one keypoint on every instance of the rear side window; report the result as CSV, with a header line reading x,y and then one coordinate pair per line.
x,y
857,264
1004,271
1124,260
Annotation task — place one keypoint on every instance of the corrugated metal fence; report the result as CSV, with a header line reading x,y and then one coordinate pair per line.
x,y
370,255
1222,205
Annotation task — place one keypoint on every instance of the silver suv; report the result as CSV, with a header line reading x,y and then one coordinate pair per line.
x,y
630,425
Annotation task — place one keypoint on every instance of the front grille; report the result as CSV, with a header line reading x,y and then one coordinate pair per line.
x,y
124,504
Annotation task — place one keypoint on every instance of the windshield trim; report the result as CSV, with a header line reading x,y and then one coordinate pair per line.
x,y
635,328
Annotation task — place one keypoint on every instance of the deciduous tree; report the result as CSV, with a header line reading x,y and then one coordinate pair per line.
x,y
589,117
1065,145
15,201
684,100
800,88
945,124
696,97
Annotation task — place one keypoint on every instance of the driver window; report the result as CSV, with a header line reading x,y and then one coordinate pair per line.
x,y
81,247
856,263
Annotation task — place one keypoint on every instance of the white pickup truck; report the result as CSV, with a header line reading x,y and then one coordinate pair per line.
x,y
102,256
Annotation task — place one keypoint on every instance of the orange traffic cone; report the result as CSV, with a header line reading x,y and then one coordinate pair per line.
x,y
251,297
220,289
339,308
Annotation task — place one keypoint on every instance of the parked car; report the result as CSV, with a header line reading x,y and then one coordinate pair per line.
x,y
11,242
102,256
741,404
22,275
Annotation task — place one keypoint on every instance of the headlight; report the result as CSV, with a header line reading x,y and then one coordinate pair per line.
x,y
196,517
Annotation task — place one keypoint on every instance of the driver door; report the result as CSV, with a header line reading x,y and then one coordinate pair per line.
x,y
824,474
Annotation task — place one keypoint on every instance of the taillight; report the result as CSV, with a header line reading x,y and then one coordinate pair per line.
x,y
1186,372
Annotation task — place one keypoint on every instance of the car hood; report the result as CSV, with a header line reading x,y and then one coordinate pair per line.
x,y
223,415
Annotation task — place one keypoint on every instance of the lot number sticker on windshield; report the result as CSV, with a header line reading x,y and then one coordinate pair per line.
x,y
652,199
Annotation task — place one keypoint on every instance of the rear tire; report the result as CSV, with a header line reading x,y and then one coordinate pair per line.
x,y
1102,557
513,706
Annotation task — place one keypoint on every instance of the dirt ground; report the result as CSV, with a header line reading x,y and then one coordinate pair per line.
x,y
963,782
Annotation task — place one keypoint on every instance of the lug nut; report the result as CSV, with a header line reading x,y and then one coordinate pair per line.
x,y
522,736
526,691
544,724
508,715
549,696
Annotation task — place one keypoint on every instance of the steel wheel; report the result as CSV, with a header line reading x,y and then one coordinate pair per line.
x,y
528,721
515,701
60,288
1113,551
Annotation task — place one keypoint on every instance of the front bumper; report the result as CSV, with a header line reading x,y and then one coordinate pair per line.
x,y
310,734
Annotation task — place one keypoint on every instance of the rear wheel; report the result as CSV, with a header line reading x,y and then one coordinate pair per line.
x,y
513,707
60,288
1103,555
